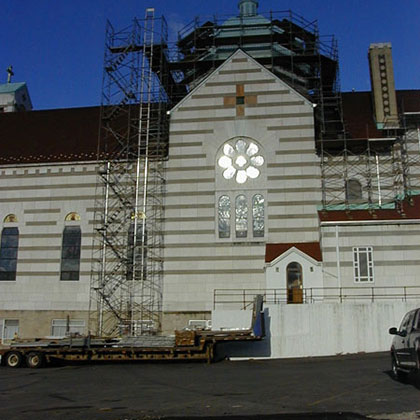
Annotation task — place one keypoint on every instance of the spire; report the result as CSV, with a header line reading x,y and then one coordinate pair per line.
x,y
248,7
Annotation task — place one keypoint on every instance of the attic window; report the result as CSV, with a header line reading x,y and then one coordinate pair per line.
x,y
240,100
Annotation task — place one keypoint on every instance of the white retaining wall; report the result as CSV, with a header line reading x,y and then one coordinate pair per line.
x,y
318,330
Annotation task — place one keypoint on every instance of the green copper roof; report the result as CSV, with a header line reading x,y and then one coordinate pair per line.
x,y
11,87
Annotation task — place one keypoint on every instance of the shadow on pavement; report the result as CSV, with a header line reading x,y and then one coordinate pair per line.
x,y
412,379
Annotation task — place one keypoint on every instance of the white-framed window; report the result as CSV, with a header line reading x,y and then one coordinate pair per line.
x,y
9,329
363,264
64,327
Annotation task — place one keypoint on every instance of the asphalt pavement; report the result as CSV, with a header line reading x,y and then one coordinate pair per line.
x,y
341,387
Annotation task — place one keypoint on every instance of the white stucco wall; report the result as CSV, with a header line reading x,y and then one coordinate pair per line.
x,y
319,329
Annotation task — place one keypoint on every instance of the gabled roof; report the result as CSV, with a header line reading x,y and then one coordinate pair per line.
x,y
238,53
312,249
11,87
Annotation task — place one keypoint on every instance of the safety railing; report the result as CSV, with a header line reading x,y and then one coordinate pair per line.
x,y
243,298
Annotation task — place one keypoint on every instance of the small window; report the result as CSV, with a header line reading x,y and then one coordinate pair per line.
x,y
66,327
10,329
10,218
8,253
363,264
70,253
240,100
258,216
224,214
294,283
241,216
353,190
72,217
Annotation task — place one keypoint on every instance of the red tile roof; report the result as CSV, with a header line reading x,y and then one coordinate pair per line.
x,y
358,112
58,135
66,135
410,210
313,249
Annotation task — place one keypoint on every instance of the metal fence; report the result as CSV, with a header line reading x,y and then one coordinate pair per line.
x,y
243,298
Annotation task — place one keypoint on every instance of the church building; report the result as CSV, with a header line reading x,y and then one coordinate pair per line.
x,y
268,180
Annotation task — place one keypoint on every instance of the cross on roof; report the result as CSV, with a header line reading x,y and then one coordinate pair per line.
x,y
10,74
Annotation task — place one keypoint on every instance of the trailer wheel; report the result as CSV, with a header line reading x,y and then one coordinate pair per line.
x,y
14,359
35,360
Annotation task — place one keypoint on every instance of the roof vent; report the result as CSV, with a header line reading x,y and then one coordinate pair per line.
x,y
248,8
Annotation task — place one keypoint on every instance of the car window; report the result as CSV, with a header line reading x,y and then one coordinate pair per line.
x,y
407,321
417,322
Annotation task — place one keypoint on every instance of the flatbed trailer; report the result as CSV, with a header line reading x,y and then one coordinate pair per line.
x,y
184,345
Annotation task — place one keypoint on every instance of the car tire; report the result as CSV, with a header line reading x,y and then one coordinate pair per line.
x,y
397,374
14,359
35,360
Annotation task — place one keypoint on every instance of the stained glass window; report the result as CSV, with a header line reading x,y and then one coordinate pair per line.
x,y
10,218
240,161
241,216
224,213
8,253
258,216
71,217
70,253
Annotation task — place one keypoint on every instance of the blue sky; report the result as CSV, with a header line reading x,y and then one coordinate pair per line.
x,y
57,46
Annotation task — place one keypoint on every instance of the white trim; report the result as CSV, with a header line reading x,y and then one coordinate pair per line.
x,y
371,222
370,266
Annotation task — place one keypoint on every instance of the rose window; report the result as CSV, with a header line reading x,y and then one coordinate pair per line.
x,y
241,161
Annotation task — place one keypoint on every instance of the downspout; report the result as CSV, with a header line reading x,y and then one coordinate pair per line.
x,y
337,251
378,177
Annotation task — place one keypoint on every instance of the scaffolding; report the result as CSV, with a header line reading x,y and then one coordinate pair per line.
x,y
284,42
386,168
126,280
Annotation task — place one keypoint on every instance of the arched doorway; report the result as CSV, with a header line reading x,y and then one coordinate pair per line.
x,y
294,283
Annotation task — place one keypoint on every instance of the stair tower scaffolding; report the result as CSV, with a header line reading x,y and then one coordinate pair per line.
x,y
126,280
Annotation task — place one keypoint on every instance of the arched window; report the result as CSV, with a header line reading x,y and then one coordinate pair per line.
x,y
258,216
71,217
294,283
224,214
70,253
8,252
10,218
353,190
137,254
241,216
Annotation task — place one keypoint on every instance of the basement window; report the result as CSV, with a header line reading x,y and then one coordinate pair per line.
x,y
66,327
363,264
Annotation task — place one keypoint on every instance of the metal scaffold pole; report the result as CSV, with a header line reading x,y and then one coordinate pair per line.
x,y
126,279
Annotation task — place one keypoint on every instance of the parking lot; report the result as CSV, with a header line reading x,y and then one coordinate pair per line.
x,y
357,385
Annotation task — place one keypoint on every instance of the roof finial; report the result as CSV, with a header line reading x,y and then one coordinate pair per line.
x,y
248,7
10,74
